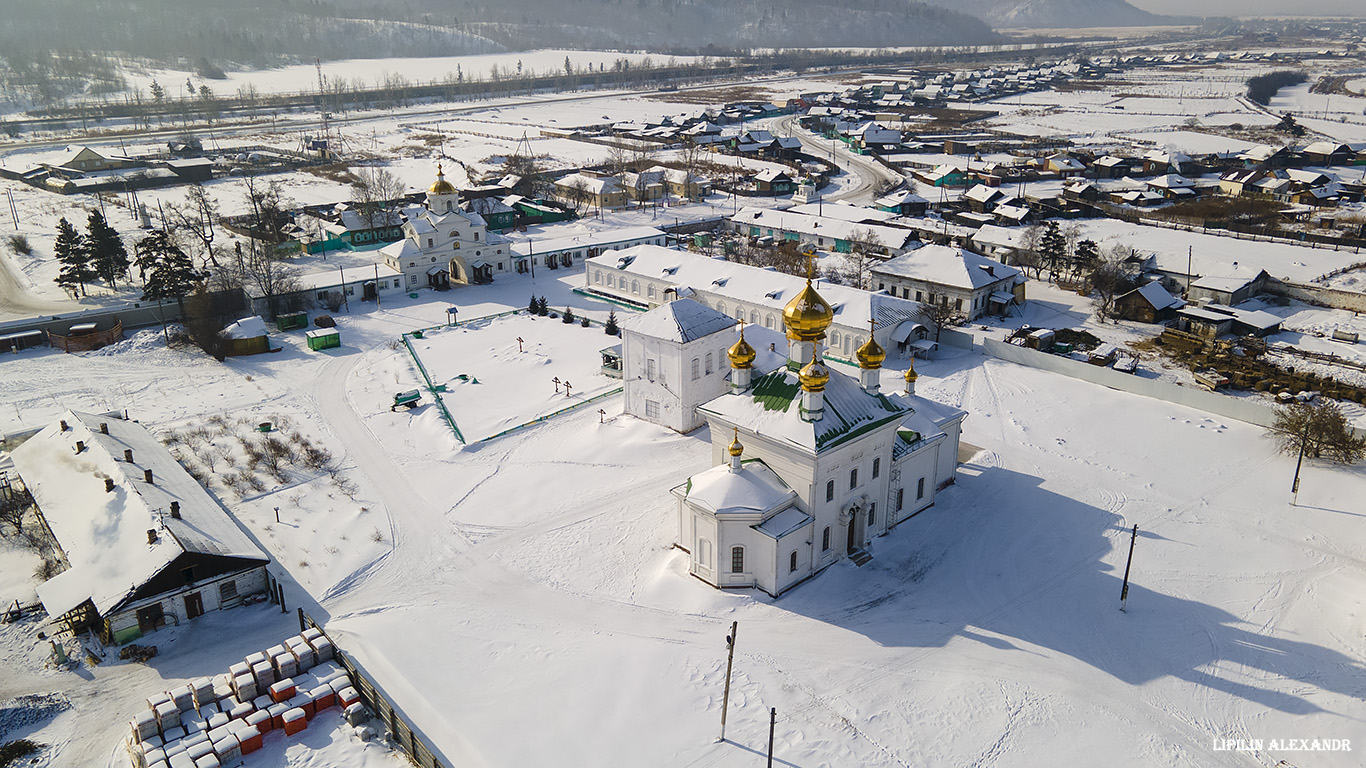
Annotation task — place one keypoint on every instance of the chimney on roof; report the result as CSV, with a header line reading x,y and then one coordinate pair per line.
x,y
64,426
151,536
109,485
80,446
128,455
104,427
175,510
147,475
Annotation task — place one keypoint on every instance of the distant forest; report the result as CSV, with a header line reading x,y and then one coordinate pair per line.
x,y
260,33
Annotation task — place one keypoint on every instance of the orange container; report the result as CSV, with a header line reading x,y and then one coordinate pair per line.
x,y
295,721
282,691
323,697
261,720
347,696
249,737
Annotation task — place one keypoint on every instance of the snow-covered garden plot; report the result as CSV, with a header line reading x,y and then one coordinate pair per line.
x,y
492,386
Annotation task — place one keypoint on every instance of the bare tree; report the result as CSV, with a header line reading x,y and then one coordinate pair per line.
x,y
1027,250
577,193
261,266
942,314
194,220
1112,277
374,191
1320,430
864,247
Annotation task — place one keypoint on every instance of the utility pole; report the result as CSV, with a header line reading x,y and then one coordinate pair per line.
x,y
772,721
1124,591
1190,254
730,659
13,212
1295,487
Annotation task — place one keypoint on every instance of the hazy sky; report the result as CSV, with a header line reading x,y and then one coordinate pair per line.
x,y
1253,7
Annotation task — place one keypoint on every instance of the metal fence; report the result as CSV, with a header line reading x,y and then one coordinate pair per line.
x,y
401,731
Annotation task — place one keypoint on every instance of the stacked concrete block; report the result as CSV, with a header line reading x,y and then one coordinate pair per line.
x,y
203,691
302,653
208,761
285,665
228,749
264,674
167,714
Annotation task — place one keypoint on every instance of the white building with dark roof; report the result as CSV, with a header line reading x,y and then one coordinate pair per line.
x,y
673,360
142,542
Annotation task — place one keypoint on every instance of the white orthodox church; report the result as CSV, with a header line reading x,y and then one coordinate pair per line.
x,y
442,244
809,465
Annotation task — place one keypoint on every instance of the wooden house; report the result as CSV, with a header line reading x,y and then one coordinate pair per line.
x,y
772,181
1148,304
140,542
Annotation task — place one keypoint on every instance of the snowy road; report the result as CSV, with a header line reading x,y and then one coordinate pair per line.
x,y
871,176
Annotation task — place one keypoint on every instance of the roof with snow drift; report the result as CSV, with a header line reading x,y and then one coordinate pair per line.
x,y
683,321
104,533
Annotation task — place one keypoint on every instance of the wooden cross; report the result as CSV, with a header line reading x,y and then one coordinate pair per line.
x,y
519,343
601,416
566,387
557,384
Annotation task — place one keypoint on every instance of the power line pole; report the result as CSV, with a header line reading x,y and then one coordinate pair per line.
x,y
1124,591
730,659
772,721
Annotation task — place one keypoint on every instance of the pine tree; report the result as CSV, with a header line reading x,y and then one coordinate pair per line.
x,y
1053,247
1086,257
543,306
611,327
72,253
167,272
568,316
533,306
108,256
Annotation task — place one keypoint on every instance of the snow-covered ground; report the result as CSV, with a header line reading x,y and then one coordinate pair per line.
x,y
526,605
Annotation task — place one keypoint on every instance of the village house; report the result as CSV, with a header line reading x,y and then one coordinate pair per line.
x,y
141,543
772,181
903,203
969,284
1235,288
587,187
1149,303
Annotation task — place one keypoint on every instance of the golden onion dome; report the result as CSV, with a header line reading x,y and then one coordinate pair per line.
x,y
735,448
441,186
814,376
807,315
911,375
871,354
741,353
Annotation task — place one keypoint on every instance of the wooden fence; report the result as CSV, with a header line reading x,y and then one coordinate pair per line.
x,y
414,744
87,341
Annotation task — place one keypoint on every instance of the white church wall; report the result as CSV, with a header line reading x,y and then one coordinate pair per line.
x,y
652,382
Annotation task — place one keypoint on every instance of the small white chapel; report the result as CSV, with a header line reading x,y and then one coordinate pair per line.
x,y
443,244
810,465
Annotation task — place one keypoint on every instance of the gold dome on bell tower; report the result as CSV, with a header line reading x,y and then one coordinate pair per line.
x,y
736,449
441,186
808,315
871,354
741,354
814,375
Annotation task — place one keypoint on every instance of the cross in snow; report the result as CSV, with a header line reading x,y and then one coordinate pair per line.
x,y
519,343
557,384
566,387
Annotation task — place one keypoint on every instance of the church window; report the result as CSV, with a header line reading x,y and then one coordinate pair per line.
x,y
650,369
739,313
429,242
905,293
872,514
825,539
877,467
721,307
834,338
455,233
635,287
958,304
830,490
737,559
650,290
920,489
919,296
900,498
709,368
455,246
476,237
792,563
696,369
651,409
597,277
853,478
768,321
754,316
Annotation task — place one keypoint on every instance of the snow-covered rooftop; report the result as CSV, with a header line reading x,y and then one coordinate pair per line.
x,y
944,265
755,489
586,239
104,533
683,320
